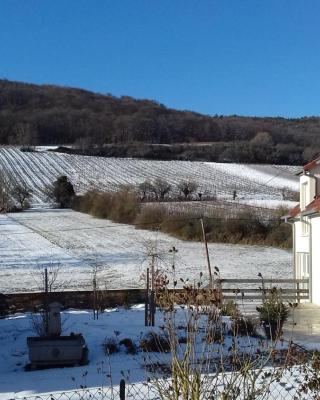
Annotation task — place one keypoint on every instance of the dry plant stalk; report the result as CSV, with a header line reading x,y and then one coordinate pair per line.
x,y
211,360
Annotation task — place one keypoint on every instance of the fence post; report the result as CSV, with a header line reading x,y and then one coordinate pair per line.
x,y
298,292
220,290
122,389
147,303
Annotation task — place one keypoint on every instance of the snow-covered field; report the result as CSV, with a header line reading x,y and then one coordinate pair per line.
x,y
117,324
251,182
78,242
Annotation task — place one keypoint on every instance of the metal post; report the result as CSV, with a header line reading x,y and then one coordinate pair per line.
x,y
152,296
94,283
146,310
298,291
152,308
122,393
207,253
46,302
46,280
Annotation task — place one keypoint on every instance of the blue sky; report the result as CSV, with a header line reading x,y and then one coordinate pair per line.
x,y
246,57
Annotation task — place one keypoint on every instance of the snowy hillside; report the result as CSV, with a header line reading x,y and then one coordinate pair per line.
x,y
252,182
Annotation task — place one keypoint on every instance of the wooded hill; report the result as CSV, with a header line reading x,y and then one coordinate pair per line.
x,y
103,124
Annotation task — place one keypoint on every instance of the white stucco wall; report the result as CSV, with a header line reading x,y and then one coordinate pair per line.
x,y
307,190
307,238
315,273
302,240
301,245
316,173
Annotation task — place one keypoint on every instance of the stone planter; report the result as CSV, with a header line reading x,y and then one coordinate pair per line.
x,y
57,351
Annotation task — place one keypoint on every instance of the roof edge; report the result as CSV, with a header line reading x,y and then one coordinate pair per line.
x,y
311,165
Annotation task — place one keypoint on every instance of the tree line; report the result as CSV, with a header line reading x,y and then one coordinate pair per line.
x,y
245,226
126,206
106,125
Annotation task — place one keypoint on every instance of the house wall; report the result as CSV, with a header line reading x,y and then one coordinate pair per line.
x,y
302,249
302,240
307,235
316,173
307,190
304,243
315,273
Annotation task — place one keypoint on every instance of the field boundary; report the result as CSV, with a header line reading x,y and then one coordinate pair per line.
x,y
231,289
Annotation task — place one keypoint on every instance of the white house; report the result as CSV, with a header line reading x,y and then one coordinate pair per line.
x,y
305,220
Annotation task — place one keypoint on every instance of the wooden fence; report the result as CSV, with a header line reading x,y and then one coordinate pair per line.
x,y
295,290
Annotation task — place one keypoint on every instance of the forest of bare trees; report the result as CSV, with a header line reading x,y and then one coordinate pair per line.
x,y
106,125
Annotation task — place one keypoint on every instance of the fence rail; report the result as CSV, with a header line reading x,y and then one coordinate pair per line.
x,y
262,281
258,289
286,387
232,289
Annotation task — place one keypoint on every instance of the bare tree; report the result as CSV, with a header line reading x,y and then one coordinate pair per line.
x,y
262,139
5,189
25,134
161,188
53,276
99,288
22,194
95,270
288,194
47,280
145,190
187,187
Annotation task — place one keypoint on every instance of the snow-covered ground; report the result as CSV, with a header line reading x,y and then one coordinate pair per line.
x,y
14,381
264,209
114,324
117,324
270,203
251,182
78,242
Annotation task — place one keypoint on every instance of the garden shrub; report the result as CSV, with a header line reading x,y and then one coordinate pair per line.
x,y
154,342
244,326
129,345
229,309
110,346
